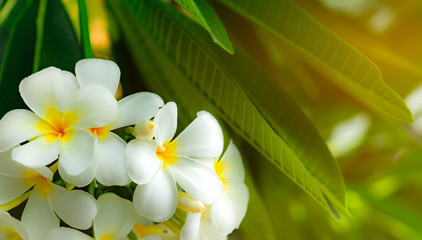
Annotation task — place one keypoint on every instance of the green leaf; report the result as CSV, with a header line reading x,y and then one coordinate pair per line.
x,y
57,44
83,21
8,15
18,58
257,213
205,15
175,64
357,75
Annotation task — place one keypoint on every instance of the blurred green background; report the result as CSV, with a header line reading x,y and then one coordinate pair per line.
x,y
380,158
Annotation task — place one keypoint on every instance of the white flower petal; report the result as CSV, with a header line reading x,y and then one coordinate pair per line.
x,y
92,107
209,232
8,224
197,179
38,210
10,168
82,179
112,167
223,214
142,161
77,152
143,220
18,126
136,108
38,152
116,216
231,164
239,194
47,89
202,138
166,122
64,233
11,188
152,237
157,200
101,72
190,231
76,208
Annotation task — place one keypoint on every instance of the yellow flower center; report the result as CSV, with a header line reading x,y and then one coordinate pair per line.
x,y
57,125
42,184
11,234
167,156
219,169
145,231
106,237
102,132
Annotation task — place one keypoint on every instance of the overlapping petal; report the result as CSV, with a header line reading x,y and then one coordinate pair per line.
x,y
202,138
11,226
190,230
157,200
166,121
38,210
239,194
142,161
111,169
231,164
50,88
91,107
116,216
198,180
209,232
136,108
101,72
77,154
64,233
82,179
223,214
38,152
10,168
18,126
11,188
76,208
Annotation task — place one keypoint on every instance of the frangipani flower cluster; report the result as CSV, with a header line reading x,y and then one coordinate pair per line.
x,y
68,140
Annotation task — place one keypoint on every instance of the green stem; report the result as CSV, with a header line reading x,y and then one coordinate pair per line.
x,y
83,21
91,188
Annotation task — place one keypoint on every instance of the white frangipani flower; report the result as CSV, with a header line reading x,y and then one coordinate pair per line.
x,y
109,165
218,220
57,127
11,228
198,224
115,219
230,209
158,165
76,208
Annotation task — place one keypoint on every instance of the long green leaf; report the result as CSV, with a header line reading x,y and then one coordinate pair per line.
x,y
205,15
18,58
8,15
179,64
57,44
358,75
83,21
